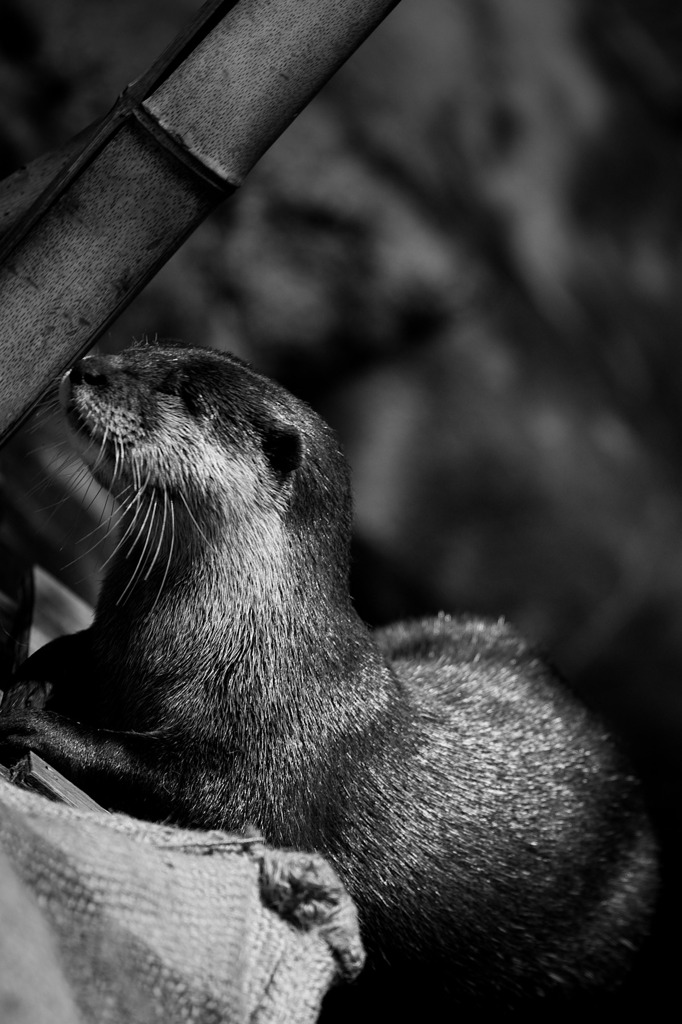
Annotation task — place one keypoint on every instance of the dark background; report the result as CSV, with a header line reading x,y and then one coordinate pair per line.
x,y
466,254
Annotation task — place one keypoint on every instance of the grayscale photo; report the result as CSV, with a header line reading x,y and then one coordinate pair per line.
x,y
340,511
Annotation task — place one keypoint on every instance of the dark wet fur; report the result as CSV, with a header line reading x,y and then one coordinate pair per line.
x,y
487,826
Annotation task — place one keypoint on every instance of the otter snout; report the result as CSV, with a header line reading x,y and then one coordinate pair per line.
x,y
88,371
103,412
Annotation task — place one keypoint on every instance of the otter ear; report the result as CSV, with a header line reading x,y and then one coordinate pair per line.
x,y
283,449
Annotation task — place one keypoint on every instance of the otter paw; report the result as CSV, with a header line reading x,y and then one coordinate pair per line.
x,y
22,730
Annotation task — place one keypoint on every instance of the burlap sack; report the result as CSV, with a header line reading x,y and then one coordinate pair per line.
x,y
108,920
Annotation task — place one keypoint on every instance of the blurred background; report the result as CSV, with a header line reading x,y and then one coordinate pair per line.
x,y
466,254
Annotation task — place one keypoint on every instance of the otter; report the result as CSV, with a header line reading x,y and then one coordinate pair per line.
x,y
488,827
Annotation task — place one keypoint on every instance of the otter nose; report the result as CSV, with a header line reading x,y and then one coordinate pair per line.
x,y
87,372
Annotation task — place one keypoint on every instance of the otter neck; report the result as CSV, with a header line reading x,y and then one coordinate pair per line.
x,y
230,634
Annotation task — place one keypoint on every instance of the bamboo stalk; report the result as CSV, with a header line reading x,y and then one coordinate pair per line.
x,y
178,141
20,190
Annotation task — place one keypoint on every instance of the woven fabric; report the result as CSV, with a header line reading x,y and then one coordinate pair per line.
x,y
107,919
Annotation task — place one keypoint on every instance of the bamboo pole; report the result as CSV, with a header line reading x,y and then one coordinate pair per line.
x,y
177,142
20,190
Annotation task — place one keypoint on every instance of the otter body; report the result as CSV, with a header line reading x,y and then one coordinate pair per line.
x,y
487,827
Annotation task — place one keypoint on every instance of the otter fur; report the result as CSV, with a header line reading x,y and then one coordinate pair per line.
x,y
487,826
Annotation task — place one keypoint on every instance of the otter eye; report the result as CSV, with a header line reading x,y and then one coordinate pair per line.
x,y
193,399
283,449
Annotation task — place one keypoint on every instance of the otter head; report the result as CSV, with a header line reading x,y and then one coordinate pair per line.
x,y
212,465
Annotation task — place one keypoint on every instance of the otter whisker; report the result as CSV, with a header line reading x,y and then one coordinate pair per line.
x,y
107,525
91,442
161,533
44,415
119,453
93,547
135,472
65,468
54,505
40,484
124,501
48,469
56,449
120,512
170,552
150,508
82,554
120,542
77,479
130,585
135,499
87,504
102,447
196,524
120,505
75,472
